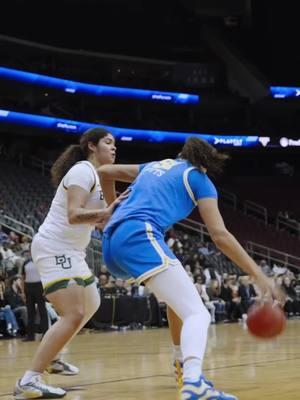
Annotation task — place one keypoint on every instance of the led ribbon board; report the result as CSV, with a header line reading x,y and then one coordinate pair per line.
x,y
126,134
283,92
96,90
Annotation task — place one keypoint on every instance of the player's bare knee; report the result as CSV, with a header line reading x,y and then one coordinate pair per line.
x,y
76,316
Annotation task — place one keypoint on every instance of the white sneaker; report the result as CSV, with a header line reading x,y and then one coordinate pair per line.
x,y
61,367
37,389
203,390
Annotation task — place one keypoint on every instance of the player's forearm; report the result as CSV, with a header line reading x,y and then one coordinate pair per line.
x,y
228,244
84,216
118,172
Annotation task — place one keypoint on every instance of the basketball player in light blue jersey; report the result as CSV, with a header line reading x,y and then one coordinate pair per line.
x,y
163,193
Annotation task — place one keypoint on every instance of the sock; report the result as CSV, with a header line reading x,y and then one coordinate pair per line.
x,y
177,354
28,377
192,369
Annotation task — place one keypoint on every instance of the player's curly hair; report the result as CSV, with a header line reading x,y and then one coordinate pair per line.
x,y
202,155
76,152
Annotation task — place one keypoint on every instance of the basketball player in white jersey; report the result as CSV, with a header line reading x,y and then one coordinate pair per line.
x,y
58,251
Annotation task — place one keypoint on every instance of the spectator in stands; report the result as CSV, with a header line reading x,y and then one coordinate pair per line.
x,y
3,236
247,293
104,271
15,298
25,243
198,271
6,313
203,249
11,260
227,296
34,298
279,270
201,288
103,280
214,293
267,270
41,212
292,306
238,310
13,237
210,272
120,288
8,256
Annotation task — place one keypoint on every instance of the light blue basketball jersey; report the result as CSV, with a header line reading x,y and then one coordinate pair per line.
x,y
163,193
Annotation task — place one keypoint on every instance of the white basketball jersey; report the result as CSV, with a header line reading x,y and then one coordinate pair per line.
x,y
56,226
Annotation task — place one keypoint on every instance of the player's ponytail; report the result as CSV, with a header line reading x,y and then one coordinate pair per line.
x,y
202,155
75,153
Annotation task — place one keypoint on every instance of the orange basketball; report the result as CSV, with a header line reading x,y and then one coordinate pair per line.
x,y
266,320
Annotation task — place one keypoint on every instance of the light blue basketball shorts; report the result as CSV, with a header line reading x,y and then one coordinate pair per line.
x,y
136,250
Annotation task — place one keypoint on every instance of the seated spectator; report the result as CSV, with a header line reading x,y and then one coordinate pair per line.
x,y
25,243
103,281
203,249
120,288
266,269
232,307
214,293
6,313
104,271
279,270
292,306
15,298
3,236
211,273
13,237
201,288
237,309
247,293
10,260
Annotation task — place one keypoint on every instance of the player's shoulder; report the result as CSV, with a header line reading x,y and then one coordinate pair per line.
x,y
82,167
196,176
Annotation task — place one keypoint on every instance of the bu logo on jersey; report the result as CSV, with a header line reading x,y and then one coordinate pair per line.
x,y
63,261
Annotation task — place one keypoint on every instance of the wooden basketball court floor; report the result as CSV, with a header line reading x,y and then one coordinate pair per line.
x,y
136,365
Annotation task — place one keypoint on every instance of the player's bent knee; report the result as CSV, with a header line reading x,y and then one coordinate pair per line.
x,y
76,317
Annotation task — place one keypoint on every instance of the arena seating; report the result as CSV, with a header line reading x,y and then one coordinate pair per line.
x,y
24,190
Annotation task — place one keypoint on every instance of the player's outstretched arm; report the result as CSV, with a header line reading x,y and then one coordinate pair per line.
x,y
227,243
108,174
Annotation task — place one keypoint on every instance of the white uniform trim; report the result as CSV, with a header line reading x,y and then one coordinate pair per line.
x,y
154,242
166,261
187,185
